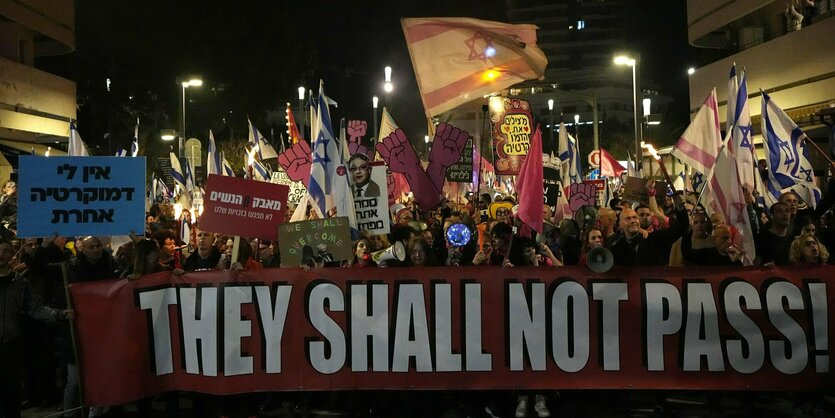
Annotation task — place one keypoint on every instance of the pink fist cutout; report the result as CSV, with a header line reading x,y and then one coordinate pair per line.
x,y
447,145
356,131
296,162
397,152
581,194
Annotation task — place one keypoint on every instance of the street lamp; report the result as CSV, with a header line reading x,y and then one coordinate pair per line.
x,y
551,120
635,64
426,142
577,128
375,101
301,110
387,86
168,134
192,81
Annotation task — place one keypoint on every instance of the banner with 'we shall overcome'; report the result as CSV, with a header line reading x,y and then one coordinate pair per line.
x,y
451,328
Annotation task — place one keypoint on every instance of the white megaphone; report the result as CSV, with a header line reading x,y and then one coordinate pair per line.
x,y
395,252
600,260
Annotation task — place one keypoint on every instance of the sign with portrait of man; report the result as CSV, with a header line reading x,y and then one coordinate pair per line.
x,y
369,188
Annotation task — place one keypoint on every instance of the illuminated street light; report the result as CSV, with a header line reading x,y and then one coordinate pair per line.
x,y
635,64
168,134
551,120
388,87
691,71
191,81
374,102
301,110
647,102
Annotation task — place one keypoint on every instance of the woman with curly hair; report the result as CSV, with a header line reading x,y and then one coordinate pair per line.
x,y
806,249
593,237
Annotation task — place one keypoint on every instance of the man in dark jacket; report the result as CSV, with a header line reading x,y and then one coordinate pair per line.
x,y
16,297
634,247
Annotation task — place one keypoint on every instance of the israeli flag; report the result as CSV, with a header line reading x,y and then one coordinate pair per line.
x,y
121,153
213,162
134,146
324,178
189,177
76,147
227,168
263,148
177,172
260,172
787,156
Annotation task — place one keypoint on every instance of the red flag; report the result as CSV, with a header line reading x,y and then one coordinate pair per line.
x,y
529,185
609,166
292,131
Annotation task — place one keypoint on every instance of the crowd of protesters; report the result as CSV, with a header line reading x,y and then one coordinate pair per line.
x,y
37,352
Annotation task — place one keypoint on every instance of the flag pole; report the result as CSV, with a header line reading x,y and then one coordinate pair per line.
x,y
818,148
476,186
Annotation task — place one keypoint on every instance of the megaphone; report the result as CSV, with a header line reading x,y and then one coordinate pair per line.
x,y
395,252
600,260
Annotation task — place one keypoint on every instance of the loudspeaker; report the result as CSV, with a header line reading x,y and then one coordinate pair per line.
x,y
395,252
600,260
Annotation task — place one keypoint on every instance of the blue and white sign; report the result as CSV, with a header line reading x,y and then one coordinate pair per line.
x,y
75,196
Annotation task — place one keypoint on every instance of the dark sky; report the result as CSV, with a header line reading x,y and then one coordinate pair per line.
x,y
253,55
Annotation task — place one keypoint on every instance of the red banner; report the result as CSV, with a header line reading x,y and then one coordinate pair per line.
x,y
452,328
244,207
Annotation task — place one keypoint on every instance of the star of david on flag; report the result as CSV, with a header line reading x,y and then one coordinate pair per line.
x,y
787,156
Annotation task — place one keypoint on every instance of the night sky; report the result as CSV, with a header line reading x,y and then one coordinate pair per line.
x,y
252,56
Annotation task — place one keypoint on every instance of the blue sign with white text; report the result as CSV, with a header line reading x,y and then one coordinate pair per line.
x,y
79,196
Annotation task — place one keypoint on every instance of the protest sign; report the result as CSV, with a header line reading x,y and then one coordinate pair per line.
x,y
329,239
372,208
512,129
297,189
455,328
462,171
74,196
600,191
243,207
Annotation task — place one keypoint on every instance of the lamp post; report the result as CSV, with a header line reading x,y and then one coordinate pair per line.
x,y
375,101
193,81
388,86
551,120
592,101
577,128
301,111
635,64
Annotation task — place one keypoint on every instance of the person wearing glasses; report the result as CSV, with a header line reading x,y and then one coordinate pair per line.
x,y
361,183
806,249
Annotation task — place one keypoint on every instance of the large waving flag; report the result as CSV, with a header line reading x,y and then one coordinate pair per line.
x,y
699,144
325,157
213,162
264,150
724,195
76,146
458,60
742,146
529,185
787,156
177,173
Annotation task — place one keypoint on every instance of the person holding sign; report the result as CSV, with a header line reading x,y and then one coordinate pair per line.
x,y
362,185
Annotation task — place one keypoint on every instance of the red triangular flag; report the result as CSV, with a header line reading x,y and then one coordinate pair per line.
x,y
529,185
609,166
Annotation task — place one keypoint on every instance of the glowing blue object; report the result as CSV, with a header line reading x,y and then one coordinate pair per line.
x,y
458,235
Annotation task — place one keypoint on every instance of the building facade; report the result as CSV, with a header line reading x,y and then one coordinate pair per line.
x,y
36,106
785,48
